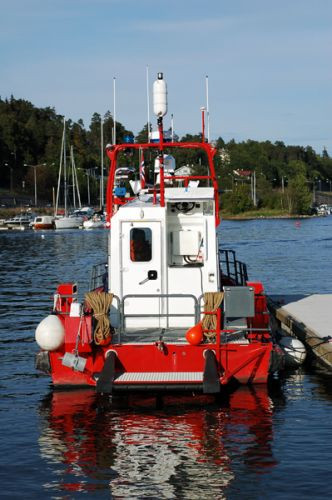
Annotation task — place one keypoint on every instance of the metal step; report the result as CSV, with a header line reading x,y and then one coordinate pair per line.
x,y
159,378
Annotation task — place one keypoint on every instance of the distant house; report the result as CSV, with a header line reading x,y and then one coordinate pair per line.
x,y
242,174
185,170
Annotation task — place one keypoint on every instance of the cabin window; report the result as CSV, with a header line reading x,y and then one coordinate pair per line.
x,y
140,244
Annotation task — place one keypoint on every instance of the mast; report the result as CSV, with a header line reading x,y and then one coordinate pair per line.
x,y
160,110
114,113
73,175
60,168
75,180
101,163
203,123
148,102
172,128
207,108
64,166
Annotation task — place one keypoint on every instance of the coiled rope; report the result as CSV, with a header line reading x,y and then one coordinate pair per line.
x,y
212,300
100,303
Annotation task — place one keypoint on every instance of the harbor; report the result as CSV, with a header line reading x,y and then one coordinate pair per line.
x,y
165,250
252,437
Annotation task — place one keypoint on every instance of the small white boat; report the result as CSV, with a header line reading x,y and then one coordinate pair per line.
x,y
94,223
19,222
42,222
68,222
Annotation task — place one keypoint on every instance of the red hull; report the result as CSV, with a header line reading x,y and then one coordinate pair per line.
x,y
247,363
160,365
43,226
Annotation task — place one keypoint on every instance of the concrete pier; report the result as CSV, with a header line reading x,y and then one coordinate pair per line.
x,y
309,318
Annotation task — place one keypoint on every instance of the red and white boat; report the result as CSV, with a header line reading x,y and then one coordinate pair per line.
x,y
171,310
42,222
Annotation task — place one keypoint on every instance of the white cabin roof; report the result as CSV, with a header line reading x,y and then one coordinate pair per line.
x,y
189,193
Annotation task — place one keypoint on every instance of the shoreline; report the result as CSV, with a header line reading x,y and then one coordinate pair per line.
x,y
254,217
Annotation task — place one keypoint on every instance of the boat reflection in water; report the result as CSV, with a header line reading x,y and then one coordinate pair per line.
x,y
186,448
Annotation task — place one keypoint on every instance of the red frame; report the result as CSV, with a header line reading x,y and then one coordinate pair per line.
x,y
113,152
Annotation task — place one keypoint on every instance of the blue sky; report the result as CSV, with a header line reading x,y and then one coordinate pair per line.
x,y
268,62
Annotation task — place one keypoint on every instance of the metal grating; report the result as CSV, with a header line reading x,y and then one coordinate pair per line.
x,y
159,377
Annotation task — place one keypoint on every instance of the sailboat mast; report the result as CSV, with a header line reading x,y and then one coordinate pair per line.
x,y
60,170
64,166
76,180
101,163
73,175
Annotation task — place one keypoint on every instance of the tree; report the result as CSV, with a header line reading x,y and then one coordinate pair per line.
x,y
325,153
142,136
298,195
239,200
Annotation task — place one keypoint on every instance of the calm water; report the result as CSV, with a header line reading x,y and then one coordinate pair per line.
x,y
261,443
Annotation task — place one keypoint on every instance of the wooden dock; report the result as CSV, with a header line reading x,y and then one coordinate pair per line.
x,y
309,318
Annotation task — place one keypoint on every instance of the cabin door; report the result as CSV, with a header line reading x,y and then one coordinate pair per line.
x,y
141,273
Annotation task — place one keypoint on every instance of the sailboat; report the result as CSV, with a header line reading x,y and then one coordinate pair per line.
x,y
67,221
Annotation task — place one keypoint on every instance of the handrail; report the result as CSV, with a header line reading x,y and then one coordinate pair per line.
x,y
235,269
98,275
156,315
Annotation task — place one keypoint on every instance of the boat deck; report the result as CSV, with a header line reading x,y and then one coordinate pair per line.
x,y
148,335
169,335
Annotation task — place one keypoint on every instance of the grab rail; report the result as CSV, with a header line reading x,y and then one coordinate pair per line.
x,y
195,315
232,268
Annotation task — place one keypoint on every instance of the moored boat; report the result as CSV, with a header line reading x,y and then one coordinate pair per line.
x,y
96,222
42,222
68,222
19,222
171,309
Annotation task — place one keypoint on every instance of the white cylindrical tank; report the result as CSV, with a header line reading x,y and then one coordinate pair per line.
x,y
50,333
160,96
294,349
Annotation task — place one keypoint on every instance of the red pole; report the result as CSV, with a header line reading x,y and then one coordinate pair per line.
x,y
109,197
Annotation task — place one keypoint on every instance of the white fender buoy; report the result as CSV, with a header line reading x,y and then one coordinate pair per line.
x,y
295,351
50,333
160,96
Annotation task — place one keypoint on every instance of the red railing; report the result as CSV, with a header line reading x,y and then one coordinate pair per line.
x,y
113,152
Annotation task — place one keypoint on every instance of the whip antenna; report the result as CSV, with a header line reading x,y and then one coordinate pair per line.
x,y
148,101
207,108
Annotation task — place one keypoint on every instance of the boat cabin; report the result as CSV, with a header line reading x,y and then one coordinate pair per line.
x,y
167,251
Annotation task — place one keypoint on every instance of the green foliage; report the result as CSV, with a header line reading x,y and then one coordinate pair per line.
x,y
298,195
142,136
238,200
32,136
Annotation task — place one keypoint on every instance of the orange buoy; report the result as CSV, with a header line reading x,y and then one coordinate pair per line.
x,y
195,334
